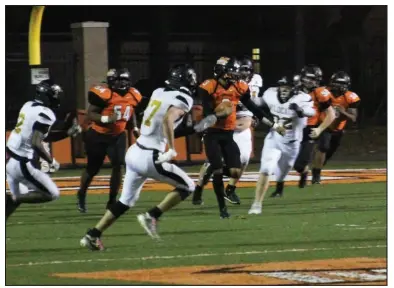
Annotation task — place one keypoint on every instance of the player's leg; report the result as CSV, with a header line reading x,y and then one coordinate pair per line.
x,y
304,157
43,189
116,152
286,162
132,185
214,155
232,159
334,145
323,146
244,142
173,175
205,175
269,160
11,205
95,146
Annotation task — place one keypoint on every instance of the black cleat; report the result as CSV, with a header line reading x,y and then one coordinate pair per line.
x,y
231,196
81,203
224,214
279,190
303,178
197,196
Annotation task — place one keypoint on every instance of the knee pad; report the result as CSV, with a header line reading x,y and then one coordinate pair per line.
x,y
118,209
184,193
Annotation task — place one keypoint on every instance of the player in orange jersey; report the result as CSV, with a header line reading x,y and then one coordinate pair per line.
x,y
218,139
345,103
110,108
310,79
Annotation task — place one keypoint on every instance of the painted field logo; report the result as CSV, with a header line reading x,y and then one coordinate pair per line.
x,y
348,271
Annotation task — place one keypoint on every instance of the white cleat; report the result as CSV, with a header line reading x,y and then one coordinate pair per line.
x,y
255,209
149,224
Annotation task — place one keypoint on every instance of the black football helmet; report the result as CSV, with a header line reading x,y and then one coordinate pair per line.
x,y
246,70
112,78
339,83
220,66
230,72
124,79
48,93
182,75
287,86
311,76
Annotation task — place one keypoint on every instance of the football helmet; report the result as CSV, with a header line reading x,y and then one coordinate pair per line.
x,y
246,70
339,83
48,93
311,76
287,87
182,75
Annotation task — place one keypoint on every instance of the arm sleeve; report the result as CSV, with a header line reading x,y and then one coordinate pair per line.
x,y
251,106
207,101
307,108
96,100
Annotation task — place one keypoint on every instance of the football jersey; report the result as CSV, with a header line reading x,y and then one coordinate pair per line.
x,y
32,116
220,94
111,102
152,135
321,97
286,117
348,100
255,84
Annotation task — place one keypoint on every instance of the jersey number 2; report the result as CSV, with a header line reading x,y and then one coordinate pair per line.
x,y
156,105
21,118
118,111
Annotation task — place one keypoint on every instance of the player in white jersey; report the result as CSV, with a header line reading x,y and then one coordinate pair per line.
x,y
36,118
147,157
290,108
242,136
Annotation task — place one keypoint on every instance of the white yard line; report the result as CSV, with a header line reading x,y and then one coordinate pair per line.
x,y
295,250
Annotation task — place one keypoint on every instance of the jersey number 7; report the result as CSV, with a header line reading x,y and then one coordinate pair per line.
x,y
155,104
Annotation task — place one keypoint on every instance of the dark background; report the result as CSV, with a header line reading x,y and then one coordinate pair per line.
x,y
148,39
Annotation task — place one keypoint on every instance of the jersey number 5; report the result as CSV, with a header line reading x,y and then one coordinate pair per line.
x,y
155,104
21,118
118,112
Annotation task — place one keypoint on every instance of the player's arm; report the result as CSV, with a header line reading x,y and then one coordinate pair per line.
x,y
350,113
40,128
96,106
173,114
305,109
265,117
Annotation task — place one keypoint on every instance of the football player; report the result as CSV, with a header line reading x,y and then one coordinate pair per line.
x,y
290,108
35,120
165,111
310,79
345,104
242,133
226,87
110,108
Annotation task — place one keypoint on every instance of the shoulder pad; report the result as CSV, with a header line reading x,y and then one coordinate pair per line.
x,y
101,91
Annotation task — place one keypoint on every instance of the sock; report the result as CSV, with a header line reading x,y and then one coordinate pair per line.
x,y
230,189
219,189
207,175
316,172
114,185
279,186
94,233
197,193
155,212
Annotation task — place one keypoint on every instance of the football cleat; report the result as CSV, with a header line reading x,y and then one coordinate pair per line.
x,y
149,224
224,214
255,209
92,243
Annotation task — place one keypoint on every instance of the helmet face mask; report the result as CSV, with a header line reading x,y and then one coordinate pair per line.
x,y
124,82
182,75
340,83
285,92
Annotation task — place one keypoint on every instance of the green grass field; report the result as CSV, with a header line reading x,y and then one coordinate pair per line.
x,y
319,222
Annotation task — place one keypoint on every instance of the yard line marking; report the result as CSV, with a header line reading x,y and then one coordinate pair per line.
x,y
191,255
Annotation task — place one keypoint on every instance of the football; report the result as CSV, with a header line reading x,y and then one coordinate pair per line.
x,y
224,109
